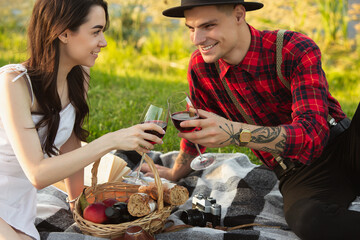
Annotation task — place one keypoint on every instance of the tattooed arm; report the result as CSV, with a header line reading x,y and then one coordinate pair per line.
x,y
267,139
217,131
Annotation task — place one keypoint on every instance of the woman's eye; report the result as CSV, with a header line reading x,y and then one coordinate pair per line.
x,y
97,32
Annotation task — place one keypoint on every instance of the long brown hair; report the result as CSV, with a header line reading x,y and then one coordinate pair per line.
x,y
49,19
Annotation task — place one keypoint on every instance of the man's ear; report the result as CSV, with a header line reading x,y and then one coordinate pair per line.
x,y
63,37
240,12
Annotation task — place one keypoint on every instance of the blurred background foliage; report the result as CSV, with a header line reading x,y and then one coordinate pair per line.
x,y
140,34
147,54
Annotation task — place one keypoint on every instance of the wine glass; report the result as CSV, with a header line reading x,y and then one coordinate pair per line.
x,y
158,116
181,109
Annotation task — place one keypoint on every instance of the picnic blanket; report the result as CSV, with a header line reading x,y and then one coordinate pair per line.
x,y
247,193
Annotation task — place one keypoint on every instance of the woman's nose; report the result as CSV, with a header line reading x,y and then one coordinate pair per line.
x,y
103,42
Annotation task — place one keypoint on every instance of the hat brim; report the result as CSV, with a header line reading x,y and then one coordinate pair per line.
x,y
179,11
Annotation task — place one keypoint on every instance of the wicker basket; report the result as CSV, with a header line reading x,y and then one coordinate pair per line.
x,y
152,223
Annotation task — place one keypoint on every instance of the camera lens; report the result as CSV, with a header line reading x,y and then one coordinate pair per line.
x,y
193,217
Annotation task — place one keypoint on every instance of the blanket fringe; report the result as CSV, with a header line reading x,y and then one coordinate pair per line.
x,y
175,228
246,226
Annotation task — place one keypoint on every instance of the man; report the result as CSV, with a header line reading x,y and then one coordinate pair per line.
x,y
316,161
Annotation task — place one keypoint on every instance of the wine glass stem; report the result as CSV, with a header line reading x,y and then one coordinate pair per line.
x,y
197,148
141,162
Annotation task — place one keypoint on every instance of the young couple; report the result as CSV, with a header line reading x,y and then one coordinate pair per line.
x,y
43,106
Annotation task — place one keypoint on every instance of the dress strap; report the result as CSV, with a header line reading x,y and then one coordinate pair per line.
x,y
23,71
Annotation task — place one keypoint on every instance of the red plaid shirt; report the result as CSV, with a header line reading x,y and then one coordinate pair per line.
x,y
254,82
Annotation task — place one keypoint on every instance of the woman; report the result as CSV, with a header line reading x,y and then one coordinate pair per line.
x,y
42,109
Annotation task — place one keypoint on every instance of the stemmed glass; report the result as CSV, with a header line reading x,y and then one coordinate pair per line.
x,y
156,115
181,109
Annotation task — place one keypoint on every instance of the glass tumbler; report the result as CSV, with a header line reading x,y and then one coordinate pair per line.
x,y
137,233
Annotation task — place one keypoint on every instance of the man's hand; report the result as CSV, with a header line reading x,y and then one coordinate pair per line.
x,y
180,169
164,172
214,130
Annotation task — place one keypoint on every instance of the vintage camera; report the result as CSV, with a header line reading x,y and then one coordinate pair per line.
x,y
204,211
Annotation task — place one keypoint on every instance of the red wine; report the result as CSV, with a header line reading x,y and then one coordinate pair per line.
x,y
179,117
156,133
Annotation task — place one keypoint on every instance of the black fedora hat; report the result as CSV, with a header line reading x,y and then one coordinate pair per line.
x,y
187,4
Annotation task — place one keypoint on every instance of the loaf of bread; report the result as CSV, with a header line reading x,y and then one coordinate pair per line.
x,y
173,194
141,204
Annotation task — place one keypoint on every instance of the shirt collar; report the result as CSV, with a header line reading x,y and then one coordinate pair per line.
x,y
252,58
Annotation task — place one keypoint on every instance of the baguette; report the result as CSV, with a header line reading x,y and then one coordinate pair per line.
x,y
141,204
173,194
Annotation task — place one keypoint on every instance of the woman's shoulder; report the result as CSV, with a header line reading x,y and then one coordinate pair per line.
x,y
12,71
9,76
17,67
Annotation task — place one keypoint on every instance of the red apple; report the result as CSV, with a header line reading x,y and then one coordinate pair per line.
x,y
95,212
109,202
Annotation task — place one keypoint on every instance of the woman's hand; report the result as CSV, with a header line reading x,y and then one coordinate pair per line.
x,y
213,130
135,137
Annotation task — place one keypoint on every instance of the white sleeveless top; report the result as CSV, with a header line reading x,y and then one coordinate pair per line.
x,y
17,194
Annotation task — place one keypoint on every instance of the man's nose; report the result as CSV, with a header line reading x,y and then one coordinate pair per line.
x,y
198,37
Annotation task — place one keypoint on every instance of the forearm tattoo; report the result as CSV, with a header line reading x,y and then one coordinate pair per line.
x,y
279,146
233,137
261,135
265,134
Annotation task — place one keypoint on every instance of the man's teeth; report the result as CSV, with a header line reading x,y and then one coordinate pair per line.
x,y
94,53
208,47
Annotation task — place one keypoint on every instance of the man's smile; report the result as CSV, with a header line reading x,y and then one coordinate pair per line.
x,y
208,47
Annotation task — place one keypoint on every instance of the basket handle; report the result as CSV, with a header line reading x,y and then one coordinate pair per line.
x,y
157,179
94,179
94,171
154,170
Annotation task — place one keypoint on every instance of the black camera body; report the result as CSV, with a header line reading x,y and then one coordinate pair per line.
x,y
205,211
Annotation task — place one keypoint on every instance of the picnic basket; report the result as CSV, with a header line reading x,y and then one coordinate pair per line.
x,y
152,223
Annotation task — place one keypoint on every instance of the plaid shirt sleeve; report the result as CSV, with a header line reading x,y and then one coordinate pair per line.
x,y
308,132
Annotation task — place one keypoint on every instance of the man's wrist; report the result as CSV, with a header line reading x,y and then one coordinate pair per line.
x,y
244,137
181,167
